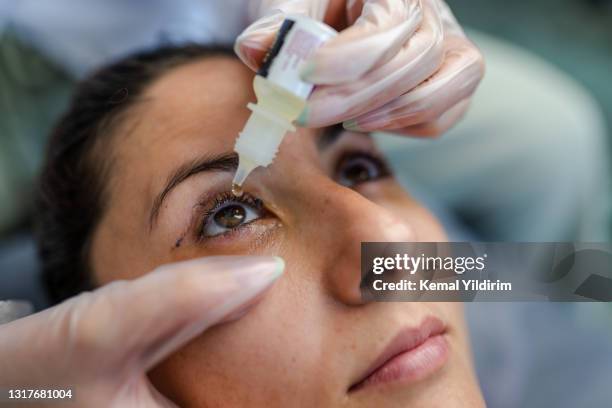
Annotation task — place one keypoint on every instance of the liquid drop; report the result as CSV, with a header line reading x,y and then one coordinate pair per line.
x,y
237,190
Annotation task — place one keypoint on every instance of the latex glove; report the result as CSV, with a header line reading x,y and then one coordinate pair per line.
x,y
102,343
400,65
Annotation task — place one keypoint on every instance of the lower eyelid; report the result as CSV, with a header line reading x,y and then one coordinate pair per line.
x,y
249,234
233,230
230,233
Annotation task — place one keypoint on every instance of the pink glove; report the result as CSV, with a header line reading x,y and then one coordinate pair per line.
x,y
101,344
400,65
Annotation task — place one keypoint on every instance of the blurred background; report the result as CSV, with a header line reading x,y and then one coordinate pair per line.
x,y
574,35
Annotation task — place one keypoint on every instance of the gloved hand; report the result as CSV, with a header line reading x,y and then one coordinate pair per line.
x,y
102,343
399,65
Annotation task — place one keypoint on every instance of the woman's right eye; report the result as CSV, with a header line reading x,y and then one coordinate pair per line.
x,y
229,214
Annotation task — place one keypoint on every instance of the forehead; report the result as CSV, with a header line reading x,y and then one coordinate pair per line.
x,y
214,80
194,109
200,105
205,100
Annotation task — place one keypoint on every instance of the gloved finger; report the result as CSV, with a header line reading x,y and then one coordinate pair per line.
x,y
439,126
254,42
134,324
415,62
456,80
130,324
179,301
375,37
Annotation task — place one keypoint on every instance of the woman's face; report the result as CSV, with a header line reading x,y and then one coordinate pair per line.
x,y
311,338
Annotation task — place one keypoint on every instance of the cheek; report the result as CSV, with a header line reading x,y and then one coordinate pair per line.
x,y
394,198
254,360
112,258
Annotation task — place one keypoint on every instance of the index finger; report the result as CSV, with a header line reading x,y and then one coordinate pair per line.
x,y
376,36
145,320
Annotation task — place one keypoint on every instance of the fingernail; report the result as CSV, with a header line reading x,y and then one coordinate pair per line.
x,y
302,120
352,125
307,70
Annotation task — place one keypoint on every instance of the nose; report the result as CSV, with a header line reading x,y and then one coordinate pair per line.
x,y
344,220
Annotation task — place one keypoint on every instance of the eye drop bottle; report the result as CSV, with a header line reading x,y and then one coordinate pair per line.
x,y
281,94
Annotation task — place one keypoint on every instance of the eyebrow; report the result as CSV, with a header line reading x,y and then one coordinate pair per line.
x,y
224,162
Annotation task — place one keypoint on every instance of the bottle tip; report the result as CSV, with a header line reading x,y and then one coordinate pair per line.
x,y
245,167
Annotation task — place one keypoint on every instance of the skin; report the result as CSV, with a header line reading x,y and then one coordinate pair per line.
x,y
310,337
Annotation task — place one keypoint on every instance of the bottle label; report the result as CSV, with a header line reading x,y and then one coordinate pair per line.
x,y
295,42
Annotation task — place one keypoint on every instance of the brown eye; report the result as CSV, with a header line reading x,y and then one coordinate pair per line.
x,y
358,168
230,215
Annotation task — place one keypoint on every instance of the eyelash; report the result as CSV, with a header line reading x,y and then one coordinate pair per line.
x,y
219,201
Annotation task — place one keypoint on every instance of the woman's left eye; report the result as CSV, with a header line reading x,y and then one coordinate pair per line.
x,y
357,168
228,216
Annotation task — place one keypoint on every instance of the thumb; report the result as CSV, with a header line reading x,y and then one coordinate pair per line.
x,y
254,42
382,28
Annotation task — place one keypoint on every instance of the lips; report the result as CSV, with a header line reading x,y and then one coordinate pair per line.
x,y
414,353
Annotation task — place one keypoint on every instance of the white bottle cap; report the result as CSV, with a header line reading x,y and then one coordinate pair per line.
x,y
259,140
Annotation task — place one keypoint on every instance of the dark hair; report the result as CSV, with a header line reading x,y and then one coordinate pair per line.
x,y
71,194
